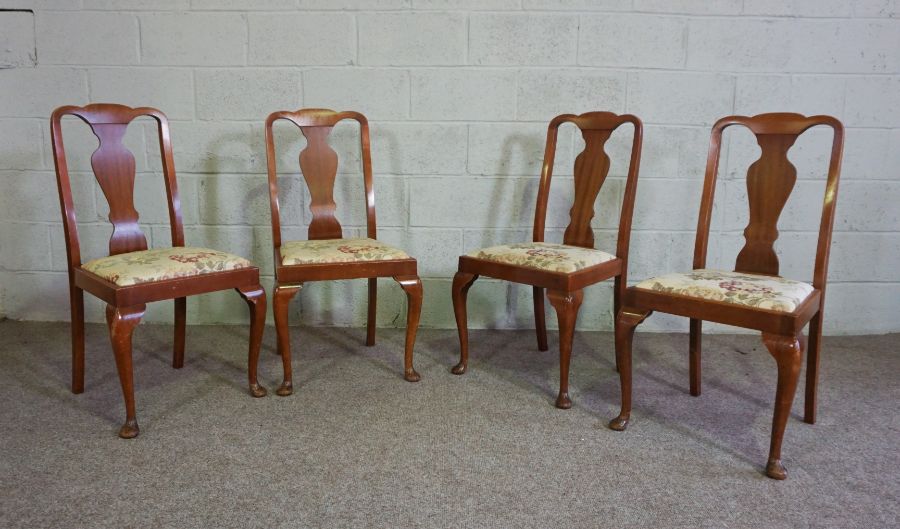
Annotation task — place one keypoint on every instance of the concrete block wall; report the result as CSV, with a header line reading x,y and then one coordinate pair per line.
x,y
458,93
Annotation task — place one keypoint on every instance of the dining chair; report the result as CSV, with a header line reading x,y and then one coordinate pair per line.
x,y
753,296
133,275
563,270
326,254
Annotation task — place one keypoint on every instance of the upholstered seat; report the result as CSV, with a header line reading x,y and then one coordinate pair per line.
x,y
752,290
544,256
158,264
338,251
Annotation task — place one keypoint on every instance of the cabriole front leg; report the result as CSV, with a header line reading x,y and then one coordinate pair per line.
x,y
462,281
787,351
255,297
412,285
566,305
626,322
122,321
283,296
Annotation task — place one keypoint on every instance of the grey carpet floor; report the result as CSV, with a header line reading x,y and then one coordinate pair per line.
x,y
357,446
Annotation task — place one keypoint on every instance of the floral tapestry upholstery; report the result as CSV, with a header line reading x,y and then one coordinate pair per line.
x,y
739,288
158,264
338,251
544,256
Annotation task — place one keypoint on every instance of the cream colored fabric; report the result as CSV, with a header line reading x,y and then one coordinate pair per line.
x,y
338,251
544,256
739,288
159,264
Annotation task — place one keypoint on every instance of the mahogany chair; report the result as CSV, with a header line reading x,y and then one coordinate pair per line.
x,y
327,254
562,269
753,296
133,275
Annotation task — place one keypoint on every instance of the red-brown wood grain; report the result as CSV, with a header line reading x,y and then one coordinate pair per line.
x,y
770,181
564,290
114,168
318,165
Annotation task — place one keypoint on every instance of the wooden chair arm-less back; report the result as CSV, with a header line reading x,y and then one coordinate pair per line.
x,y
318,164
114,168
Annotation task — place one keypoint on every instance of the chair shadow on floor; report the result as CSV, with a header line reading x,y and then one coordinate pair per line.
x,y
45,370
515,361
694,416
345,342
42,368
518,362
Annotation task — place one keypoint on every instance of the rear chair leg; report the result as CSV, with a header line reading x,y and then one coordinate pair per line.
x,y
627,320
540,321
283,296
180,325
812,368
695,349
618,289
76,299
462,281
566,305
373,307
255,296
122,321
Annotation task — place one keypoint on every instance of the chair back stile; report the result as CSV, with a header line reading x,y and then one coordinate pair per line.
x,y
113,166
318,164
770,181
590,172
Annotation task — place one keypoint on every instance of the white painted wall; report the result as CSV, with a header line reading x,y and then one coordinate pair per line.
x,y
459,94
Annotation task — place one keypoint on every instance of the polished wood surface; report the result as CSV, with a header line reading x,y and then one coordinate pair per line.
x,y
591,168
114,168
564,290
566,305
319,165
770,181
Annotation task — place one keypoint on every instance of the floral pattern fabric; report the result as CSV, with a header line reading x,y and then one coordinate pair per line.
x,y
739,288
158,264
338,251
544,256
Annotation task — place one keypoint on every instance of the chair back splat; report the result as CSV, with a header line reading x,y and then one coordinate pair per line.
x,y
591,170
770,181
319,165
114,168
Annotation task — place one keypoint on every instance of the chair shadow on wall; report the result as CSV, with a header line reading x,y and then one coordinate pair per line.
x,y
494,357
547,364
382,355
331,295
505,191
